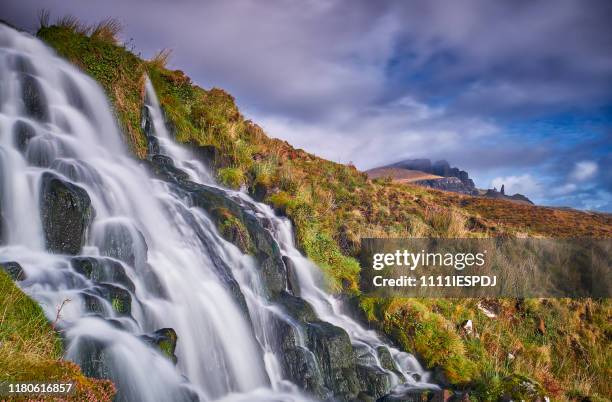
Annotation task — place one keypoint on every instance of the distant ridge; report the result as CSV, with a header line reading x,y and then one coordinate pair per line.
x,y
441,176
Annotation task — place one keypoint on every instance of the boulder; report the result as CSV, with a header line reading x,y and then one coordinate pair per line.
x,y
165,341
14,270
376,382
22,134
385,358
119,239
66,213
102,270
34,99
119,298
93,357
298,363
93,303
335,357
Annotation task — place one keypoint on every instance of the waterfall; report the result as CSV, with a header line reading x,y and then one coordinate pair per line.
x,y
137,263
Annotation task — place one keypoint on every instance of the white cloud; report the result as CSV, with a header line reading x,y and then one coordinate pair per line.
x,y
584,170
524,184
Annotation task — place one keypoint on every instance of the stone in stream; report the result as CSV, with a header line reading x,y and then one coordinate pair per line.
x,y
332,348
376,381
66,213
165,341
14,270
22,134
122,241
34,100
102,270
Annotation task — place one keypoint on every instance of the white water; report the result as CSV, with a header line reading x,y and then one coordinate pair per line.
x,y
222,354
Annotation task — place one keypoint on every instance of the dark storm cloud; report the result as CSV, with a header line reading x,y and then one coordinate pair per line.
x,y
372,82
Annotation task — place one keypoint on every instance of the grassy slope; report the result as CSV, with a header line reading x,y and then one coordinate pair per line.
x,y
333,206
30,350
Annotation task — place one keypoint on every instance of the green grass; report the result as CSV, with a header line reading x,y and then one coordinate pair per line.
x,y
31,350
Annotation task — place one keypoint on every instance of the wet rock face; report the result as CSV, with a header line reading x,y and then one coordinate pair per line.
x,y
22,134
102,270
122,241
14,270
335,357
34,100
165,341
377,381
66,214
119,298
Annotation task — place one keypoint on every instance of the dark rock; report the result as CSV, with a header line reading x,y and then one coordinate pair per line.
x,y
293,282
102,270
260,191
452,184
363,397
93,303
385,358
122,241
208,154
335,357
297,308
298,363
66,213
93,357
34,100
268,253
119,298
22,134
14,270
165,341
164,167
375,381
414,395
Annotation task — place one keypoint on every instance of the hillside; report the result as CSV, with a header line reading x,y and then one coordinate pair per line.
x,y
400,175
334,206
31,350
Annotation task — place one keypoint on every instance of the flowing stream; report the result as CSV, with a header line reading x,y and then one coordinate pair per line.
x,y
152,264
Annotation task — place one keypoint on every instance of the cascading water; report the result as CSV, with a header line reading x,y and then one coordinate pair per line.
x,y
136,264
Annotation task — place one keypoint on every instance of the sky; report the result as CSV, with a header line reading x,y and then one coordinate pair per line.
x,y
515,92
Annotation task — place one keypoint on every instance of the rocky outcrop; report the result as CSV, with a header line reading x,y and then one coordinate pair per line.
x,y
66,213
500,195
454,179
448,184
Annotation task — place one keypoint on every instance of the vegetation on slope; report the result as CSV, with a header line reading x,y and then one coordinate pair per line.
x,y
31,350
333,206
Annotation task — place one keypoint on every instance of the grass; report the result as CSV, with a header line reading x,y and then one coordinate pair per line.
x,y
30,350
334,206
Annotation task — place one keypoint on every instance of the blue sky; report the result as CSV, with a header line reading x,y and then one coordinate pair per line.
x,y
515,92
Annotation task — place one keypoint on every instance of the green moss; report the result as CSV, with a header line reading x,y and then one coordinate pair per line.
x,y
118,305
233,230
166,347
